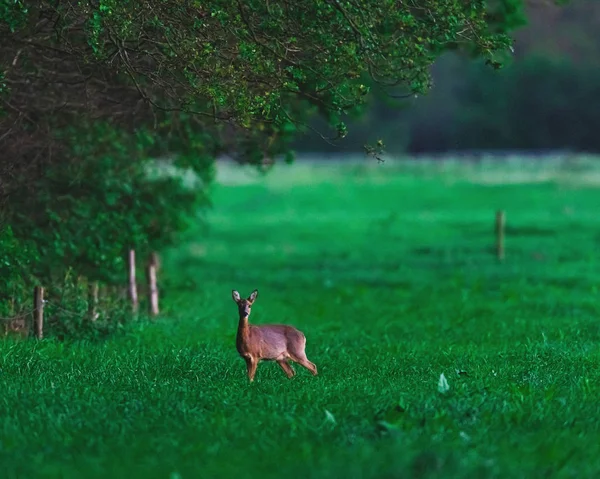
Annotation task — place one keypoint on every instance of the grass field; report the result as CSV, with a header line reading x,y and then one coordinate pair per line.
x,y
389,271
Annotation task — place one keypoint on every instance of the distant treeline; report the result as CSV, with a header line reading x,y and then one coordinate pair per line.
x,y
536,103
545,100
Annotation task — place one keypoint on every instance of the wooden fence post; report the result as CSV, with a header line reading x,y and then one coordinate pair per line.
x,y
38,312
133,295
152,285
93,300
500,224
155,260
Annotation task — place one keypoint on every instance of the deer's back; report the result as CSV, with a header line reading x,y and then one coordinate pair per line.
x,y
275,341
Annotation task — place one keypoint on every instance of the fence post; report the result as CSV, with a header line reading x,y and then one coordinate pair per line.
x,y
38,312
500,224
133,295
152,285
93,300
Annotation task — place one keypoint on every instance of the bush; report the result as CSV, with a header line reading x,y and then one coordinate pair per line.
x,y
75,224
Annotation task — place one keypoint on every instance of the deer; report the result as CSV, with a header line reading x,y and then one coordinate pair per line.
x,y
268,342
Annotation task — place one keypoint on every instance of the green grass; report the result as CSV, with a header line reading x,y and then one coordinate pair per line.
x,y
389,271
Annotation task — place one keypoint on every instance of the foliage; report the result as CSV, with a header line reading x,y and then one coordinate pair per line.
x,y
536,103
15,261
84,215
543,99
250,64
87,214
517,342
507,15
93,93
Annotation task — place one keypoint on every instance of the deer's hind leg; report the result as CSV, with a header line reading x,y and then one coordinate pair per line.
x,y
302,360
287,368
298,354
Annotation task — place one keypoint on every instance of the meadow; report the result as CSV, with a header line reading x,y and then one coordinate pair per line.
x,y
389,270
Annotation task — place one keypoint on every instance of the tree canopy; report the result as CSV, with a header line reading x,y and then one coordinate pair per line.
x,y
92,91
253,65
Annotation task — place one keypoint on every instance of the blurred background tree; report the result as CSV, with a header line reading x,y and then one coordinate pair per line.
x,y
543,99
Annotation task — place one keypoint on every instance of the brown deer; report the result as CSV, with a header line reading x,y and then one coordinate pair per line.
x,y
269,342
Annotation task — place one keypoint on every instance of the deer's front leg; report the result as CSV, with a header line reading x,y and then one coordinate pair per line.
x,y
251,364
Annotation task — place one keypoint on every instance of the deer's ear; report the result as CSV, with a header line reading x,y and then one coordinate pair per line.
x,y
235,295
253,296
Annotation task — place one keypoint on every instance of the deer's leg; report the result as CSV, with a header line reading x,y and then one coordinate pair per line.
x,y
303,361
248,365
287,369
251,364
312,367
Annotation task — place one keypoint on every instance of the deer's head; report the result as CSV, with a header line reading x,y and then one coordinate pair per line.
x,y
244,305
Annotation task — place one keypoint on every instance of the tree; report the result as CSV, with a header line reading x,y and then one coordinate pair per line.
x,y
256,66
91,91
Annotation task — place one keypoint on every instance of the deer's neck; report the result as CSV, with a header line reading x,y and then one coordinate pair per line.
x,y
243,328
243,336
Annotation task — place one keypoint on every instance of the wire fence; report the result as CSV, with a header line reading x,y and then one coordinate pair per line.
x,y
66,311
26,314
19,316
